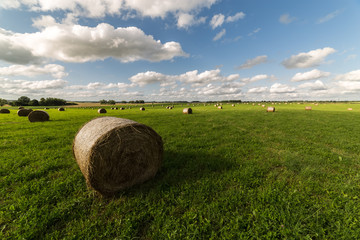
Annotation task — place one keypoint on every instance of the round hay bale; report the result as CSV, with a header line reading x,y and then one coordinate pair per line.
x,y
219,107
38,116
270,109
20,108
122,108
142,109
61,109
24,112
115,153
233,105
46,108
308,108
4,110
187,111
349,109
102,110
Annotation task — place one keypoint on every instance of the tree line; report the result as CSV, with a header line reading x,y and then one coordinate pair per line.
x,y
26,101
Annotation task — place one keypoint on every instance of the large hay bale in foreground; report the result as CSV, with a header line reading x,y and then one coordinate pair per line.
x,y
61,109
187,111
24,112
4,110
270,109
38,116
102,110
115,153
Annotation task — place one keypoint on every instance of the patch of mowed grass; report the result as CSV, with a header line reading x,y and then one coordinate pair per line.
x,y
235,173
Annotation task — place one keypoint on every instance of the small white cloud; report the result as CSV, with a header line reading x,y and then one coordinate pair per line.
x,y
258,90
281,88
219,35
329,16
255,78
253,62
286,19
186,20
237,16
311,75
217,20
54,70
254,32
310,59
350,76
316,86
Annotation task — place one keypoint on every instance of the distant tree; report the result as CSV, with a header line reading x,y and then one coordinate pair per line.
x,y
123,101
3,102
22,101
103,101
34,102
42,102
54,102
112,102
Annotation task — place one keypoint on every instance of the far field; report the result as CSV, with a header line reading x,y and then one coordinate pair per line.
x,y
235,173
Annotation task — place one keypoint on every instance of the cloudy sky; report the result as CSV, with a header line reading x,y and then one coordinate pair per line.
x,y
159,50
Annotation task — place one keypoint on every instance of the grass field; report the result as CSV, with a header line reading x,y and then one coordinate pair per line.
x,y
235,173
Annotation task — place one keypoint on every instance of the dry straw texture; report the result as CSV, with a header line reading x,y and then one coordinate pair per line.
x,y
24,112
61,109
270,109
4,110
115,153
308,108
102,110
38,116
187,111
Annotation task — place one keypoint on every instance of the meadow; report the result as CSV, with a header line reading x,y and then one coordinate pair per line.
x,y
235,173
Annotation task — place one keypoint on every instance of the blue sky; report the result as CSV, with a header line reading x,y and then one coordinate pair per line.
x,y
159,50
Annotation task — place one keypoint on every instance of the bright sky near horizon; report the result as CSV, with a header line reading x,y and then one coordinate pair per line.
x,y
201,50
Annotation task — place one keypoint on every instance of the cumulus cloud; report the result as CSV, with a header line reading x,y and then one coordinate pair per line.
x,y
310,59
286,19
217,20
281,88
237,16
55,70
148,77
76,43
219,35
311,75
8,85
186,20
350,76
329,16
316,86
256,78
258,90
254,32
253,62
223,89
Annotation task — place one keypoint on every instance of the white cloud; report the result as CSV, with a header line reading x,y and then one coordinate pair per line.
x,y
223,89
237,16
76,43
258,90
316,86
350,76
348,86
219,35
252,62
12,85
186,20
217,20
57,71
286,19
329,16
281,88
254,32
148,77
311,75
310,59
256,78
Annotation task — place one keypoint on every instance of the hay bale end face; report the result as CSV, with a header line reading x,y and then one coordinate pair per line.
x,y
4,110
142,109
102,110
219,107
61,109
308,108
270,109
349,109
38,116
187,111
115,153
24,112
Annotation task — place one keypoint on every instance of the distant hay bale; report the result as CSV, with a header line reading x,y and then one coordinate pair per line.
x,y
308,108
102,110
142,109
270,109
24,112
115,153
38,116
170,107
219,107
263,106
122,108
61,109
349,109
46,108
4,110
20,108
233,105
187,111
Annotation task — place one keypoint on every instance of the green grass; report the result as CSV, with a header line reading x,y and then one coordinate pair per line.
x,y
235,173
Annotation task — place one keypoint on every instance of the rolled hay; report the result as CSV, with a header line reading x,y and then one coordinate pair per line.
x,y
270,109
122,108
102,110
142,109
61,109
349,109
115,153
4,110
46,108
308,108
187,111
20,108
24,112
219,107
38,116
233,105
